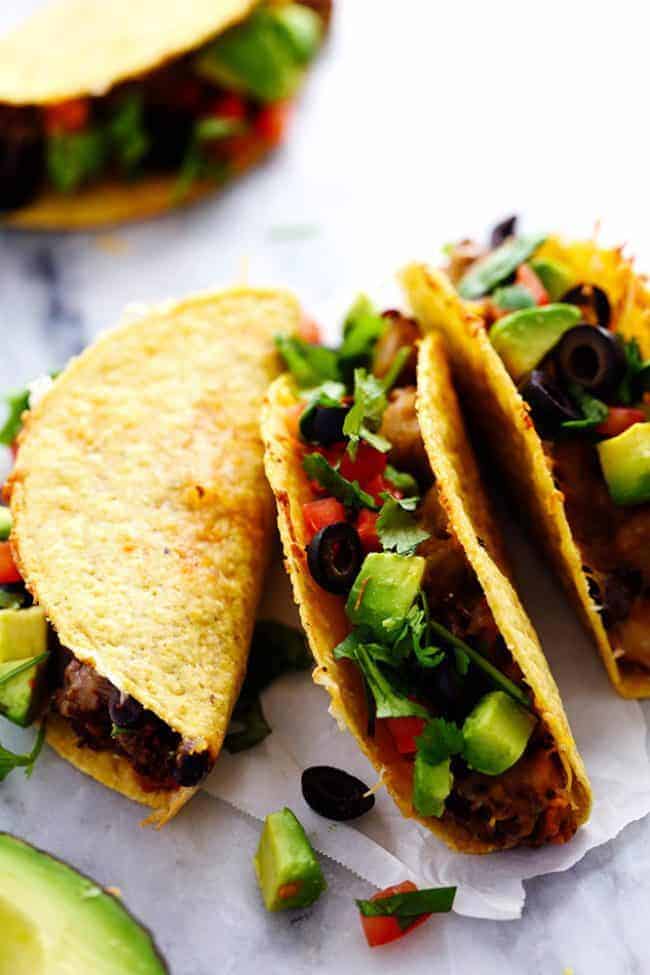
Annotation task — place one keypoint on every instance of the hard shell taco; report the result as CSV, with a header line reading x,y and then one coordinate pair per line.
x,y
548,342
403,589
141,523
117,111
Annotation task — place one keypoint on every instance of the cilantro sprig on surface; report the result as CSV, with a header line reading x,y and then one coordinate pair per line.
x,y
10,761
319,469
410,904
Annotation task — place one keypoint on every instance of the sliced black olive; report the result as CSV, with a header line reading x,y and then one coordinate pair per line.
x,y
506,228
191,767
124,710
335,794
592,302
549,406
334,557
22,157
591,356
323,424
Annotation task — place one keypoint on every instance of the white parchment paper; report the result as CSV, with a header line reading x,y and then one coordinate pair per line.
x,y
383,847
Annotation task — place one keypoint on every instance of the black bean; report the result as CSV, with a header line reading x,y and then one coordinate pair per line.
x,y
335,794
124,710
191,767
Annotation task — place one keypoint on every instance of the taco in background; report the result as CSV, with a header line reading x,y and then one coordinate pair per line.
x,y
548,343
118,111
403,590
141,523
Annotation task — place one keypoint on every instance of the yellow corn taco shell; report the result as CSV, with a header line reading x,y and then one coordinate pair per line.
x,y
323,616
75,48
502,415
141,516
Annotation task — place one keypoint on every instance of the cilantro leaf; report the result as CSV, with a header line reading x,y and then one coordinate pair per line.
x,y
398,530
637,377
390,702
74,158
462,661
319,469
362,327
276,649
310,365
9,760
411,904
129,141
18,403
22,666
329,394
440,740
211,128
364,418
594,411
405,483
396,367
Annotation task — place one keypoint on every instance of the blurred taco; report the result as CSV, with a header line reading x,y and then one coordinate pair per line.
x,y
548,342
404,592
117,111
141,522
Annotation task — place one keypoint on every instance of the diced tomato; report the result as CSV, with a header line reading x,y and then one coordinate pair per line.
x,y
619,419
293,419
229,106
319,514
271,122
382,930
13,447
367,528
367,464
527,277
309,331
404,732
69,116
8,571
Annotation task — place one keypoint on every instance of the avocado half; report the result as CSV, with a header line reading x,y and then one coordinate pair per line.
x,y
55,921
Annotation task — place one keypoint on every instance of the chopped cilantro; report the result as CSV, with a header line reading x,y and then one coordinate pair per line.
x,y
405,483
440,740
411,904
18,403
310,365
398,529
390,702
637,377
362,327
129,141
594,411
350,493
364,418
75,158
9,760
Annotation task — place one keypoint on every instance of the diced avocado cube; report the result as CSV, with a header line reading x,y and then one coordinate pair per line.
x,y
556,278
23,633
625,461
384,591
496,733
21,696
523,338
5,523
431,786
265,55
287,870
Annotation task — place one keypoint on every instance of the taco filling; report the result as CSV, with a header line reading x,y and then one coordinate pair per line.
x,y
585,384
443,691
202,116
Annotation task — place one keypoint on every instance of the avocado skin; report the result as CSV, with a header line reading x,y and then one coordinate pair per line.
x,y
287,870
384,591
86,929
524,337
625,461
496,733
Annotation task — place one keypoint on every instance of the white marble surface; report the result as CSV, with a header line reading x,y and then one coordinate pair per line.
x,y
422,122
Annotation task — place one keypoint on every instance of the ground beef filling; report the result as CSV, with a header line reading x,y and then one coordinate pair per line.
x,y
529,803
614,544
104,719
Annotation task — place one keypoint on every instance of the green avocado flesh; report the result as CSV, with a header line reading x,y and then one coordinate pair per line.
x,y
266,54
287,870
555,277
431,786
523,338
5,523
384,591
22,695
54,921
496,733
23,633
625,461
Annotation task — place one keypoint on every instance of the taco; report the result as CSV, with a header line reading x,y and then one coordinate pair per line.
x,y
548,343
118,111
141,522
403,589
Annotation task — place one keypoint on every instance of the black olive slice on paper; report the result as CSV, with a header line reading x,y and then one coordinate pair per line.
x,y
334,557
335,794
